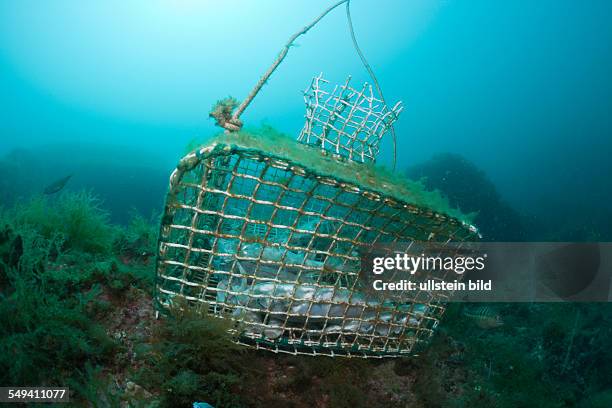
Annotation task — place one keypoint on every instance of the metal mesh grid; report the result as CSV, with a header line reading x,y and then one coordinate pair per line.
x,y
275,247
346,121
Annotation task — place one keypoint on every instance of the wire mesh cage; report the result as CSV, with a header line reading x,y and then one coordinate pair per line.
x,y
346,121
270,235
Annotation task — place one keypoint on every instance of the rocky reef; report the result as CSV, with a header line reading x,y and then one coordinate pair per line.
x,y
76,310
468,188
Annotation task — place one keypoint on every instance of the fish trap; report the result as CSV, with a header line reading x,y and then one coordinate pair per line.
x,y
269,233
346,121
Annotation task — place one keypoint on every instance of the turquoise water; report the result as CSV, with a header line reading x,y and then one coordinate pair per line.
x,y
522,90
507,112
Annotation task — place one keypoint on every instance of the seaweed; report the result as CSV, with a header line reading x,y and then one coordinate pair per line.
x,y
43,335
326,381
368,175
52,298
544,356
91,384
77,216
192,357
136,243
223,110
64,308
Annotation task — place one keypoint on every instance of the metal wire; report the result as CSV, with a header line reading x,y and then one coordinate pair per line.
x,y
275,246
345,121
368,68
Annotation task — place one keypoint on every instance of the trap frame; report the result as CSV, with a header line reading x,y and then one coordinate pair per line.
x,y
274,245
269,232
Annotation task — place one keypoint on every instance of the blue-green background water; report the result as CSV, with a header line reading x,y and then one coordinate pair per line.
x,y
114,91
513,100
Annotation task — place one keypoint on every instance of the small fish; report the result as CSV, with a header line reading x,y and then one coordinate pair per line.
x,y
57,185
484,317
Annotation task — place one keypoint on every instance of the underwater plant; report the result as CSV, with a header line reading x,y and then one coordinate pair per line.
x,y
78,217
222,112
60,287
376,177
81,316
136,243
192,357
45,330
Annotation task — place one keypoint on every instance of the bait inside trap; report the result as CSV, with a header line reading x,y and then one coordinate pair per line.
x,y
269,233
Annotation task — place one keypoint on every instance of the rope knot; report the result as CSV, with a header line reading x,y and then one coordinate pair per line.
x,y
223,113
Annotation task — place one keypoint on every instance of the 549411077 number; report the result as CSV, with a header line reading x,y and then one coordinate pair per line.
x,y
34,394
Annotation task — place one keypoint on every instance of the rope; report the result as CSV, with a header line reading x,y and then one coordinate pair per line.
x,y
222,112
371,72
277,62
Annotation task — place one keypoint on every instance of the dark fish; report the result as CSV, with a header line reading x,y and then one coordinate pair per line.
x,y
57,185
484,317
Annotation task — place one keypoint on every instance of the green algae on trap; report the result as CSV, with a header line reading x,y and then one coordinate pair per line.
x,y
370,176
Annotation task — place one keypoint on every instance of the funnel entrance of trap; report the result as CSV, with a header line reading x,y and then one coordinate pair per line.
x,y
346,121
